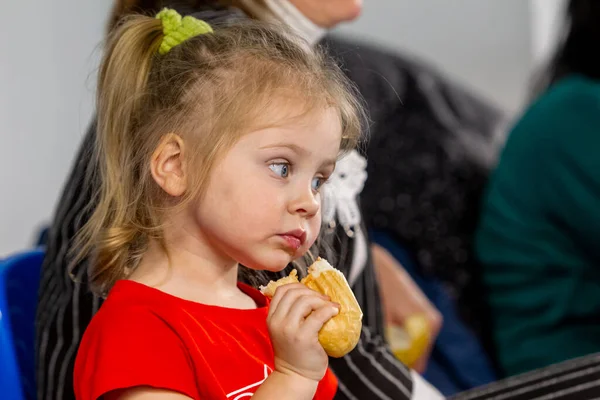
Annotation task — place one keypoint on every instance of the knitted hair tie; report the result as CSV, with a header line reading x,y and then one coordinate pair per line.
x,y
177,30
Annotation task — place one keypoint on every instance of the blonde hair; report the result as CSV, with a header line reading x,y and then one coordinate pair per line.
x,y
209,90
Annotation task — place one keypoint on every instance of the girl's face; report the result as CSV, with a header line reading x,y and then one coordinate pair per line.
x,y
262,203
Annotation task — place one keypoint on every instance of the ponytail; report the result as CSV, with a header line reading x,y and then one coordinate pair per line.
x,y
123,8
114,235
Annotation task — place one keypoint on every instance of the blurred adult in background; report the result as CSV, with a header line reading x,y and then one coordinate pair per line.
x,y
431,148
540,225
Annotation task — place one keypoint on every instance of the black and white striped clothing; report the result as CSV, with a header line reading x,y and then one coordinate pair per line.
x,y
577,379
65,308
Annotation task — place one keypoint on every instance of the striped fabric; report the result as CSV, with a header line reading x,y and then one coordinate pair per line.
x,y
577,379
65,308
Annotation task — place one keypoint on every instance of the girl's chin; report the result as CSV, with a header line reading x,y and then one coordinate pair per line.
x,y
271,265
277,261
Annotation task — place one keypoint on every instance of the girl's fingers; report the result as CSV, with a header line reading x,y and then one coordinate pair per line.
x,y
315,321
284,300
280,292
303,307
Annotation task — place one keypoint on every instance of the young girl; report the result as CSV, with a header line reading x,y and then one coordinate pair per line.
x,y
213,145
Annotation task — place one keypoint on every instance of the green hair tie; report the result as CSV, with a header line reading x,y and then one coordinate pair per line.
x,y
177,30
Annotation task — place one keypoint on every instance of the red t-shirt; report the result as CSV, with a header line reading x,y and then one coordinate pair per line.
x,y
144,337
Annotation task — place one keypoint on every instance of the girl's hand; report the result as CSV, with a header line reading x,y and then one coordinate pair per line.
x,y
296,315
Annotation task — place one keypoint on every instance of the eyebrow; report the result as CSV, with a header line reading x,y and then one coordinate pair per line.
x,y
294,147
298,150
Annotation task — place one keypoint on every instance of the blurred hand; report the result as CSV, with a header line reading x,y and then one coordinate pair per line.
x,y
402,298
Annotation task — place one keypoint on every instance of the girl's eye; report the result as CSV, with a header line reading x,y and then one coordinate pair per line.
x,y
317,183
281,169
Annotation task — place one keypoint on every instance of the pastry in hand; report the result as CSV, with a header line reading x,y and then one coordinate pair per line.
x,y
269,290
340,334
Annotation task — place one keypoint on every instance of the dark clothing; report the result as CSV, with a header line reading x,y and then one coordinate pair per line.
x,y
432,146
577,379
538,236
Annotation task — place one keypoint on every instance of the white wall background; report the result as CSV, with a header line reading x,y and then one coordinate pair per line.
x,y
47,57
47,65
547,19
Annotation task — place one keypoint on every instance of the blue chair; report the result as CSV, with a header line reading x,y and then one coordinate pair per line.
x,y
19,282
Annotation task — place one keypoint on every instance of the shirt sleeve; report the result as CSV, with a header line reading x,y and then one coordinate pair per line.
x,y
132,349
423,390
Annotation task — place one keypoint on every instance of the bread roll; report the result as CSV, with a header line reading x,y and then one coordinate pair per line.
x,y
269,290
340,334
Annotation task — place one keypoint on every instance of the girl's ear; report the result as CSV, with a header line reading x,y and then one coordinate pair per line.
x,y
168,167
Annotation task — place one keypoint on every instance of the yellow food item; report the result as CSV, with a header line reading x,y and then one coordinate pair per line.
x,y
340,334
269,290
409,342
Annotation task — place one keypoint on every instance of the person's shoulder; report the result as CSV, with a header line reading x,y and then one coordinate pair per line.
x,y
571,95
356,50
129,323
578,87
564,120
354,53
388,79
130,343
380,75
129,306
